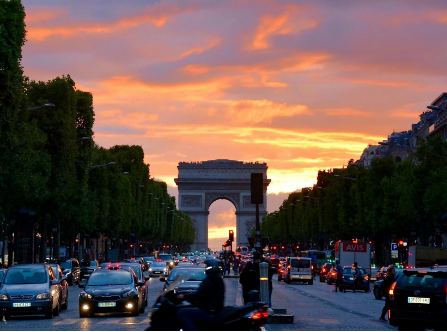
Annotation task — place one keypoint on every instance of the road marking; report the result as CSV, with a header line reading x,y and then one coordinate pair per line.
x,y
329,321
67,321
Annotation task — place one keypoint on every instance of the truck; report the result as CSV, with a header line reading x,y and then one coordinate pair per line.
x,y
348,252
420,256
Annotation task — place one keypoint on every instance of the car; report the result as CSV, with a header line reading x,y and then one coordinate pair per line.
x,y
275,263
418,300
195,275
348,278
324,271
281,271
158,269
57,270
30,289
374,271
111,291
181,263
2,273
299,269
167,258
140,274
72,270
331,276
381,274
88,266
376,287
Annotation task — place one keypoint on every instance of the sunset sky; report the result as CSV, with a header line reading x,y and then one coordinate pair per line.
x,y
300,85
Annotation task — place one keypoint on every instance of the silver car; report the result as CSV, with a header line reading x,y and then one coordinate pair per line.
x,y
158,269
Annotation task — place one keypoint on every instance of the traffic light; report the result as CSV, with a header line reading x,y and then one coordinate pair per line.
x,y
257,188
231,236
77,240
131,245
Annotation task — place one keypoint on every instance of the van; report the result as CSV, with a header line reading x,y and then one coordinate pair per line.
x,y
299,269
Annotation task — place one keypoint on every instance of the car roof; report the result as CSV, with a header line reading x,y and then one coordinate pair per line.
x,y
28,266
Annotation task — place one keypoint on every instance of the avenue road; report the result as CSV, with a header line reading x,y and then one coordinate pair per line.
x,y
315,307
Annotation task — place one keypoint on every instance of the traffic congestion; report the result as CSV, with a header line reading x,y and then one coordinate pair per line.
x,y
141,292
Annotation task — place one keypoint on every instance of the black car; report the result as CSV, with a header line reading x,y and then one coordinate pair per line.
x,y
194,274
88,267
324,271
57,270
110,291
418,300
137,268
376,289
30,289
71,269
348,279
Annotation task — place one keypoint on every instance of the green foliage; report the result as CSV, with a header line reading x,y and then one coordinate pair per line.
x,y
385,201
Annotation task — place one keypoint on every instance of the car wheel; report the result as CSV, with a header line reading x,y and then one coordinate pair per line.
x,y
279,278
57,310
287,280
142,308
377,293
310,282
83,314
49,314
65,305
136,312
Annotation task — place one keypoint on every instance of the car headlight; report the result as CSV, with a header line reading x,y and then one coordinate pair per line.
x,y
129,294
85,295
3,297
351,278
43,296
171,263
150,270
165,269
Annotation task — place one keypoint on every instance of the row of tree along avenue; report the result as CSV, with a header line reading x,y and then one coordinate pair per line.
x,y
388,202
59,188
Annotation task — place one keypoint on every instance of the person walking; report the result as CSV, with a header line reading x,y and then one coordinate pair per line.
x,y
385,290
227,265
339,280
235,266
249,279
357,276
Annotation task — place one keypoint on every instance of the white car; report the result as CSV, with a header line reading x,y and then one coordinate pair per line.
x,y
158,269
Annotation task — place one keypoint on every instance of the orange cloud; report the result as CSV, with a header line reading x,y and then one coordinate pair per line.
x,y
255,111
283,24
157,15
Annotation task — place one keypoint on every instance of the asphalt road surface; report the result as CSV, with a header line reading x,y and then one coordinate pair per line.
x,y
315,307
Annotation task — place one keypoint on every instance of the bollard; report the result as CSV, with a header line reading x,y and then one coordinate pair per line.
x,y
264,282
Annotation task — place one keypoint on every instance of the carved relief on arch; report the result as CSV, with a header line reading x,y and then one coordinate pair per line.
x,y
232,197
250,225
194,223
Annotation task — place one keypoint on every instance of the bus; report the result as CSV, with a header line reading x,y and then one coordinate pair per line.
x,y
317,256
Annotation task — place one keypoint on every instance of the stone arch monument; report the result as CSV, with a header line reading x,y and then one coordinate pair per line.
x,y
202,183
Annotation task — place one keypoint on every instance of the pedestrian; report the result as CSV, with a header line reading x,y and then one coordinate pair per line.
x,y
271,271
339,281
227,265
357,276
235,266
249,279
385,290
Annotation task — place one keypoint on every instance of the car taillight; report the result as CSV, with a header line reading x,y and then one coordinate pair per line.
x,y
324,270
391,293
260,314
311,267
366,277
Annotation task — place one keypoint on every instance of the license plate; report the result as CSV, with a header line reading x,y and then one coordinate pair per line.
x,y
106,304
157,272
21,304
420,300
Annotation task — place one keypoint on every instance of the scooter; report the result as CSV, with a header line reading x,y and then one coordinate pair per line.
x,y
249,317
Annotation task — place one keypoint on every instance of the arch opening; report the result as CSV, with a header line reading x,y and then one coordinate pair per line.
x,y
221,219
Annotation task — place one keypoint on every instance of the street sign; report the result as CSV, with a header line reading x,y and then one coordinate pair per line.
x,y
328,253
393,246
394,250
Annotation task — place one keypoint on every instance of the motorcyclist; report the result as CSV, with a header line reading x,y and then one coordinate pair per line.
x,y
209,297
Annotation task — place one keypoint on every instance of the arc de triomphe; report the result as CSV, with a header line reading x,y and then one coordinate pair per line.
x,y
202,183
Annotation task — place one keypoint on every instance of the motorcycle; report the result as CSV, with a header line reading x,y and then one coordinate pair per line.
x,y
249,317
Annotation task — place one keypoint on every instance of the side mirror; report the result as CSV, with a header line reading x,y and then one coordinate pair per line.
x,y
140,284
163,279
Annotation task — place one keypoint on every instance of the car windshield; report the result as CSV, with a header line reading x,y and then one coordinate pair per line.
x,y
194,274
65,265
348,270
136,268
165,258
110,278
423,280
147,259
88,263
26,276
158,264
300,263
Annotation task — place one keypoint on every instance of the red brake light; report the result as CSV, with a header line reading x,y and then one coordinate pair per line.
x,y
257,315
311,267
265,314
392,291
365,277
324,270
